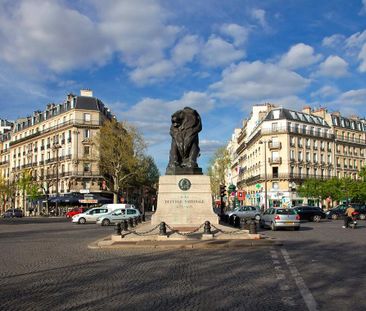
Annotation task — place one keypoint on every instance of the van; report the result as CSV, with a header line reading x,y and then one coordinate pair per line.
x,y
113,206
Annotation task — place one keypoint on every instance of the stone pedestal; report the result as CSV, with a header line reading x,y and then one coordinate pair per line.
x,y
184,201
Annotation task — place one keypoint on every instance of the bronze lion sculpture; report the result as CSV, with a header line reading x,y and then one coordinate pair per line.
x,y
184,151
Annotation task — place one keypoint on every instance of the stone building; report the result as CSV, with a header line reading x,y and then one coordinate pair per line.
x,y
279,148
56,146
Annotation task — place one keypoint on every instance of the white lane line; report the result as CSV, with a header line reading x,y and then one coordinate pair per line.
x,y
304,290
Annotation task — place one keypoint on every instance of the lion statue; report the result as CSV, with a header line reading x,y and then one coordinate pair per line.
x,y
184,151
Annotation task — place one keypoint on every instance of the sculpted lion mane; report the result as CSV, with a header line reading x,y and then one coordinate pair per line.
x,y
186,124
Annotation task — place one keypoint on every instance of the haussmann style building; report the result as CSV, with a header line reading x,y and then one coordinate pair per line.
x,y
279,148
56,146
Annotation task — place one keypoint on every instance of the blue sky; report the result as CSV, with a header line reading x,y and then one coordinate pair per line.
x,y
146,59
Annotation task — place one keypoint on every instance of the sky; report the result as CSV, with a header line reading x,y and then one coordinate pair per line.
x,y
146,59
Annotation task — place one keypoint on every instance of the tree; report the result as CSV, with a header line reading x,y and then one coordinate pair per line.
x,y
7,192
219,164
362,173
121,149
23,184
311,188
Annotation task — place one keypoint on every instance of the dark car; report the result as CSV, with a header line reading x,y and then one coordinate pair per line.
x,y
13,212
338,211
310,213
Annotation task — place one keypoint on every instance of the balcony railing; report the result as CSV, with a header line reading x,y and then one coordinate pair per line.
x,y
274,145
273,161
283,176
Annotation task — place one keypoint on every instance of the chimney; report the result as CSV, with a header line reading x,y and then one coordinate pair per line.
x,y
321,112
86,92
306,109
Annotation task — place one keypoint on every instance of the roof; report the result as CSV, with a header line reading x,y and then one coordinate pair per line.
x,y
292,115
88,103
347,123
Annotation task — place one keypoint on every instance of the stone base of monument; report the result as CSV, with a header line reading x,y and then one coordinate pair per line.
x,y
184,201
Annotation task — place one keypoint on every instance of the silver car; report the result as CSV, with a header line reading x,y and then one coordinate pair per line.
x,y
280,218
244,212
117,216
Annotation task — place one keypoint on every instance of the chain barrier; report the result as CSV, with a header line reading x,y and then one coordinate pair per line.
x,y
180,233
187,233
143,232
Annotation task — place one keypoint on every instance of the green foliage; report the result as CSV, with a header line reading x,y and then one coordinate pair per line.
x,y
219,163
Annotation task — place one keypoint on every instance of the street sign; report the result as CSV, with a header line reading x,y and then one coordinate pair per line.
x,y
258,186
248,196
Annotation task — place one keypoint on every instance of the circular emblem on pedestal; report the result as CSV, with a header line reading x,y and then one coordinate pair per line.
x,y
184,184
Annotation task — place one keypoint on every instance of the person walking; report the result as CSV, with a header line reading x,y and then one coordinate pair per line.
x,y
348,216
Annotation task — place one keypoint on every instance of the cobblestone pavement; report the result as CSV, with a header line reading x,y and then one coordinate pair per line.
x,y
47,266
331,261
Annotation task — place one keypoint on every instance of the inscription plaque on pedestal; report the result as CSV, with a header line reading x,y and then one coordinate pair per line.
x,y
184,200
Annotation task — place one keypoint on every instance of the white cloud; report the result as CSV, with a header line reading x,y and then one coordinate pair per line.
x,y
186,49
333,66
258,81
218,52
352,98
137,29
334,41
299,55
153,72
356,40
209,146
325,91
362,57
260,16
48,34
235,31
363,9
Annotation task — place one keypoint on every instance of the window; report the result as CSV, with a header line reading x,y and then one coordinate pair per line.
x,y
300,156
274,126
87,117
292,141
87,167
308,156
86,150
299,142
307,142
86,133
329,159
292,155
315,157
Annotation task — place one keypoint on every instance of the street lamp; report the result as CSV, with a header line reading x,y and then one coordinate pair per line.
x,y
264,142
56,147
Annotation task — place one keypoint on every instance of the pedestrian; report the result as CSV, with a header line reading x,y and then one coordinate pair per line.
x,y
348,216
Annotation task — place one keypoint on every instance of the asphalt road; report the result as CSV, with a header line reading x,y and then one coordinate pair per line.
x,y
45,265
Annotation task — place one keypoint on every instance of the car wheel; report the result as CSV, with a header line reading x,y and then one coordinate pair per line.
x,y
82,220
257,217
273,226
362,216
232,219
106,222
261,224
317,218
334,216
297,228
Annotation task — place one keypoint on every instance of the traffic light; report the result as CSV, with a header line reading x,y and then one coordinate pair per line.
x,y
222,191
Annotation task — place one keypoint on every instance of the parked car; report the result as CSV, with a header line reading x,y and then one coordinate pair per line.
x,y
243,212
338,211
117,216
75,211
13,212
90,216
310,213
275,218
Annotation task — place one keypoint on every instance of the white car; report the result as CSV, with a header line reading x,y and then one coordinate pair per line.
x,y
90,216
117,216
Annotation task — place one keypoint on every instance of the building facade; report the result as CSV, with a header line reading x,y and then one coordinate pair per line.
x,y
279,148
56,147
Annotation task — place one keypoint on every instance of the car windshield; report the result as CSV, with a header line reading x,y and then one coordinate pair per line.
x,y
285,211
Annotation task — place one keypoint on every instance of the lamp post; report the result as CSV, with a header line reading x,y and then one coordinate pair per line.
x,y
56,147
264,142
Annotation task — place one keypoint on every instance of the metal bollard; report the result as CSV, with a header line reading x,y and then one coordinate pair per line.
x,y
130,222
162,228
237,222
139,219
135,222
143,218
118,228
252,227
207,228
125,225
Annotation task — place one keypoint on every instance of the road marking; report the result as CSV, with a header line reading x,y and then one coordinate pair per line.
x,y
304,290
